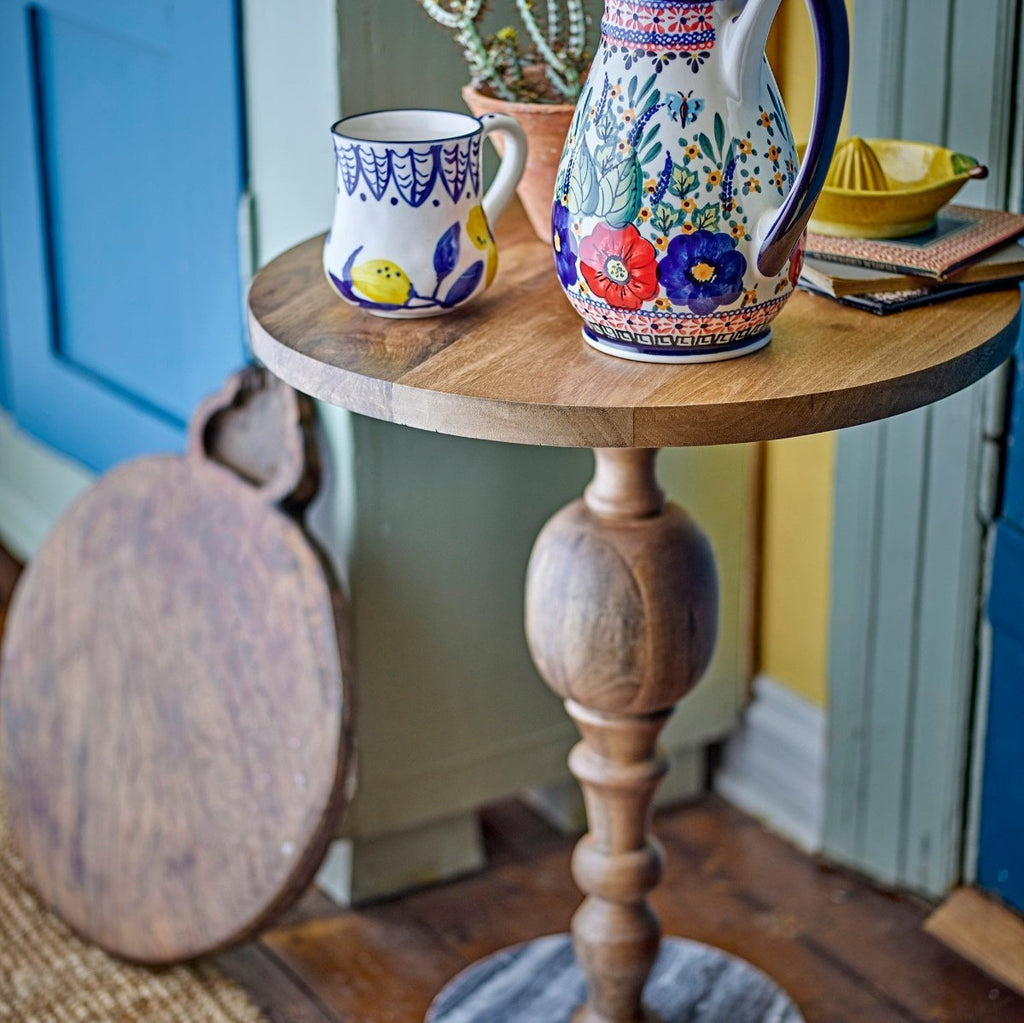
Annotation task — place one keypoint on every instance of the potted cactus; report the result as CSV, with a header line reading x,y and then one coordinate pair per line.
x,y
535,74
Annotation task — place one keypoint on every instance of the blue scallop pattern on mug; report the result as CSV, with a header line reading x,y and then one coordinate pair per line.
x,y
414,172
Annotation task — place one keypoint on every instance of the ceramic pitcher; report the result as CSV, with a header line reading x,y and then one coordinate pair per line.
x,y
411,233
679,207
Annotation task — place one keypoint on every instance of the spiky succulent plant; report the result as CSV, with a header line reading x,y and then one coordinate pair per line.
x,y
547,68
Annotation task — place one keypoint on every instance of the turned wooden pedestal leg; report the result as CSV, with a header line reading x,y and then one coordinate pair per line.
x,y
621,617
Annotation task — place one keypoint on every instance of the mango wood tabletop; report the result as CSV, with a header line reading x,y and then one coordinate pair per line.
x,y
513,367
621,589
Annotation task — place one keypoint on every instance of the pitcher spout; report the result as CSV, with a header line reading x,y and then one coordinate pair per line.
x,y
744,36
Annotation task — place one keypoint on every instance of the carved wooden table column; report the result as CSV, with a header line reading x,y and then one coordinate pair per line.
x,y
621,590
621,616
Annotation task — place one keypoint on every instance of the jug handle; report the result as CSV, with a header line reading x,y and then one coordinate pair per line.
x,y
832,42
513,163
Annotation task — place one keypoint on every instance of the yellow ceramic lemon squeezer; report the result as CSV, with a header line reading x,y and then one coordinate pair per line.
x,y
888,188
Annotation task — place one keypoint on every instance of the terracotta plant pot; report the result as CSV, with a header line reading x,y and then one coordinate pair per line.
x,y
546,125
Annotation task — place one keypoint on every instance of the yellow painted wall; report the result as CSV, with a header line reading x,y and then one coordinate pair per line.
x,y
796,572
799,473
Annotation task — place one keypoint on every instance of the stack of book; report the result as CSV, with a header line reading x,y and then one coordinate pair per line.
x,y
968,250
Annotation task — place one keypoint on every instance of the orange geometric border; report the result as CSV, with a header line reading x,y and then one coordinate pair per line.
x,y
732,325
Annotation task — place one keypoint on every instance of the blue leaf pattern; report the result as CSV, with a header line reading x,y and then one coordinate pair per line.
x,y
345,288
455,168
346,270
465,285
445,258
413,173
421,177
376,171
348,162
446,255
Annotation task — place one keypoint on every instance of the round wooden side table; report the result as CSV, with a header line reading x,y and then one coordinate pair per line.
x,y
621,591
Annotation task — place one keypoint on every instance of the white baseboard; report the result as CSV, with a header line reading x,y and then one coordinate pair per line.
x,y
36,485
773,767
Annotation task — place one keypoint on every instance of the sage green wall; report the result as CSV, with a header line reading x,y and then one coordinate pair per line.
x,y
393,54
440,531
436,532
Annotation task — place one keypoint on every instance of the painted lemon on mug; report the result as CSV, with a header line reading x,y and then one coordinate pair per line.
x,y
480,235
382,281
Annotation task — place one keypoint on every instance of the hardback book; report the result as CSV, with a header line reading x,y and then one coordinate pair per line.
x,y
883,303
962,236
840,279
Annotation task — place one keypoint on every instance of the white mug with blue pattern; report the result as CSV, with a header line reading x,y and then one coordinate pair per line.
x,y
411,232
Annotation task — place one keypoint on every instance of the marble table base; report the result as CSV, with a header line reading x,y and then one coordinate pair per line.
x,y
539,982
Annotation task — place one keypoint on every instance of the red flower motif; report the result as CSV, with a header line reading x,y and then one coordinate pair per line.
x,y
620,266
705,14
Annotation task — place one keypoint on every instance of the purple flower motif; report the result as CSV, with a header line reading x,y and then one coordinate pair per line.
x,y
703,271
564,245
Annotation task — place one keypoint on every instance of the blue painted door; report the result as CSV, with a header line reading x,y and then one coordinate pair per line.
x,y
1001,836
121,172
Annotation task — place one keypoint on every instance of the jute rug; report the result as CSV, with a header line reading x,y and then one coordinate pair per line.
x,y
47,975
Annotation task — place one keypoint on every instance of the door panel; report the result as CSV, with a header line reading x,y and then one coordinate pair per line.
x,y
94,192
119,195
1001,829
1001,834
5,394
1013,479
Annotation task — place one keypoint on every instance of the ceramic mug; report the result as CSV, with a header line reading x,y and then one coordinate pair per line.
x,y
411,233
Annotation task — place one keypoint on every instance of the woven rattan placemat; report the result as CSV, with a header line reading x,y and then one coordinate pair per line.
x,y
47,975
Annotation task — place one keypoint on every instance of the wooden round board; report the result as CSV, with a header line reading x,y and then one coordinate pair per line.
x,y
173,703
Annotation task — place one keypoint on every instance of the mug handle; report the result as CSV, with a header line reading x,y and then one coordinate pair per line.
x,y
512,166
832,41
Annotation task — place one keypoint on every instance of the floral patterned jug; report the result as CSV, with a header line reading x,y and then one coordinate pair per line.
x,y
679,210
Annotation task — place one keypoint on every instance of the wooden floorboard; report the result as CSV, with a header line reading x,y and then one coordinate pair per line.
x,y
847,920
281,996
845,951
378,966
983,931
806,922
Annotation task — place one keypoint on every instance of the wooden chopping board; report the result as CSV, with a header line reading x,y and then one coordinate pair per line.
x,y
174,705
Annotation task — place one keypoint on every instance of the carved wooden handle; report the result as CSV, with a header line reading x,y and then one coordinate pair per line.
x,y
261,430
